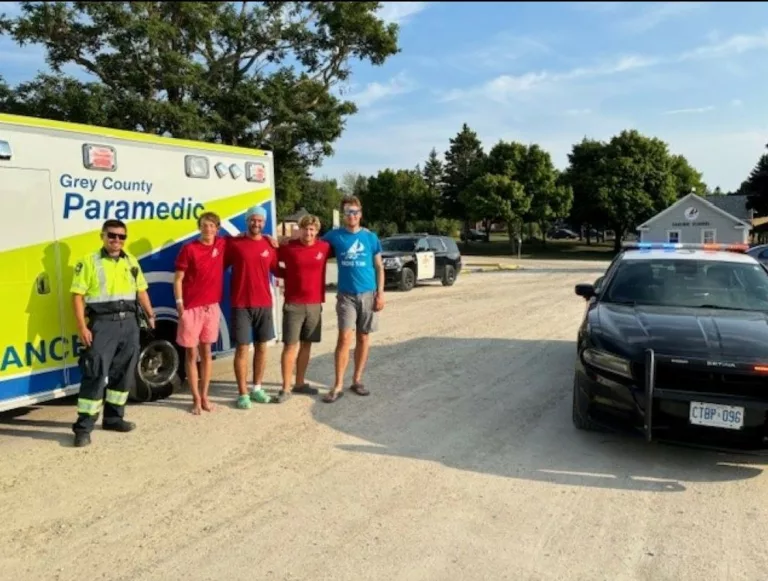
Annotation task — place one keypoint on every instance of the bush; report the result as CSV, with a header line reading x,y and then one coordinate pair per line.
x,y
439,226
384,229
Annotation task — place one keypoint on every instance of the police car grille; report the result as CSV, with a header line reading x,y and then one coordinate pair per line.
x,y
670,376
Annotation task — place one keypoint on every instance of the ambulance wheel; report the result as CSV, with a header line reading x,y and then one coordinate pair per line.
x,y
157,371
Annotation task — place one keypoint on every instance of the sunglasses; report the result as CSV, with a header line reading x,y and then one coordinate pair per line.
x,y
351,212
116,236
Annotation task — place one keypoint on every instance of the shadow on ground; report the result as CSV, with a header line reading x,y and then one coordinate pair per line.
x,y
503,407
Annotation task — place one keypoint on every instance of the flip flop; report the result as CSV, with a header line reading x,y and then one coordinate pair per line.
x,y
305,389
359,389
331,397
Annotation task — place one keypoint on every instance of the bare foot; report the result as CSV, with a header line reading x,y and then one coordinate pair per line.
x,y
196,408
207,405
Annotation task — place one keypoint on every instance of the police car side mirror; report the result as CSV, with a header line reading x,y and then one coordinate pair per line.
x,y
587,291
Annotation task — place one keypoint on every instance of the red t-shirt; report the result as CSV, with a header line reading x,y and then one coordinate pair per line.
x,y
304,271
203,266
252,261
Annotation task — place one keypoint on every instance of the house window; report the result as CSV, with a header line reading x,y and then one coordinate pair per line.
x,y
708,236
673,236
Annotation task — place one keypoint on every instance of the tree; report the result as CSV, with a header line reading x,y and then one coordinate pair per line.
x,y
548,198
321,197
254,74
637,182
400,196
756,187
496,197
434,173
464,163
687,179
585,169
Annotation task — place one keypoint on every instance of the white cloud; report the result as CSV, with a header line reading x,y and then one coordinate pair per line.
x,y
691,110
401,12
374,92
505,86
658,14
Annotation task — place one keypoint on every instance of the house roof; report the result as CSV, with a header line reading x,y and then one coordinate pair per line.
x,y
735,205
744,221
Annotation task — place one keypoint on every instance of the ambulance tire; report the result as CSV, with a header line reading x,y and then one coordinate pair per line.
x,y
159,367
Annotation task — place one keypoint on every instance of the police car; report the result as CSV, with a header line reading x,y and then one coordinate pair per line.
x,y
674,343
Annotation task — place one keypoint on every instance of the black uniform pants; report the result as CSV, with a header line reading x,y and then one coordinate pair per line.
x,y
108,370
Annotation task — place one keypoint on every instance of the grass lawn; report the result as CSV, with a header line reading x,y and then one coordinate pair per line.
x,y
551,250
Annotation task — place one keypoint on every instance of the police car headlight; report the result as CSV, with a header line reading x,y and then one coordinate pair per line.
x,y
607,362
392,262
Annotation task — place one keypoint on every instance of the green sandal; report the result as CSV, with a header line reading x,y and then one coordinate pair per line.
x,y
260,396
244,402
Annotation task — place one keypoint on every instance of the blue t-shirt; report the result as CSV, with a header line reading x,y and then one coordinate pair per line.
x,y
354,259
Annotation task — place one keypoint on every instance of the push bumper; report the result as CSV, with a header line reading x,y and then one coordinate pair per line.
x,y
673,404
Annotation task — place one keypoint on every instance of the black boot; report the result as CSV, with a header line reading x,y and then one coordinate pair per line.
x,y
82,439
119,426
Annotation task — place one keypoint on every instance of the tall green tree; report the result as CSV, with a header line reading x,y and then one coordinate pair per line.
x,y
434,173
756,187
254,74
398,196
548,198
464,163
321,197
494,197
687,179
586,166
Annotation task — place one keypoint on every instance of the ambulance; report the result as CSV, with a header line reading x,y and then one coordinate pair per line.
x,y
58,183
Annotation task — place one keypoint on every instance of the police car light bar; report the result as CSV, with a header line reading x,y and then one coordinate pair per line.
x,y
671,247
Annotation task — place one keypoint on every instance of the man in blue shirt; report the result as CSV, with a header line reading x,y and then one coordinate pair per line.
x,y
360,293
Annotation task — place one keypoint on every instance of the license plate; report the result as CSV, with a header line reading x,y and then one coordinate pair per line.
x,y
716,415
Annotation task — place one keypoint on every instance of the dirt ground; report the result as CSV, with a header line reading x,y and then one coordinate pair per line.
x,y
462,465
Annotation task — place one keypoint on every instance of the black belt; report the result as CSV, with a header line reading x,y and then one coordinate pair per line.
x,y
119,316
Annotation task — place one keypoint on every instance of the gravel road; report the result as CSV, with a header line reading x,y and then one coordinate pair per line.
x,y
462,465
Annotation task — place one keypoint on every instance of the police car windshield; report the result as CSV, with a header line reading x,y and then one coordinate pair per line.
x,y
690,283
399,244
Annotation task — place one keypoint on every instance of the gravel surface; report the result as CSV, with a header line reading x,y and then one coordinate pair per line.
x,y
461,465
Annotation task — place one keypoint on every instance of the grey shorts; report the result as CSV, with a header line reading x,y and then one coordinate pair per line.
x,y
254,324
302,323
356,312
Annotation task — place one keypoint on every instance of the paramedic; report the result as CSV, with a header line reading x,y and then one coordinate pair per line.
x,y
105,288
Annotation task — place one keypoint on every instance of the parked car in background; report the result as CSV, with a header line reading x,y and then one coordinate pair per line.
x,y
473,235
759,253
413,258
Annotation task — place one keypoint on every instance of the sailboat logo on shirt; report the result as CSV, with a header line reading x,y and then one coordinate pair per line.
x,y
354,251
215,252
265,254
319,256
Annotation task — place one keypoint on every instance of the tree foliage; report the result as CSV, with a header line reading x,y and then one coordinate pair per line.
x,y
254,74
464,163
756,186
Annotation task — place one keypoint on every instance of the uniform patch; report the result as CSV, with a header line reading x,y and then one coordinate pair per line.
x,y
78,267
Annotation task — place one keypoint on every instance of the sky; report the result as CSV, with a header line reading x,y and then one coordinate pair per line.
x,y
694,74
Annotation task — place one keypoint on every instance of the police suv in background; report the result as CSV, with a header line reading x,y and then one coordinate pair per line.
x,y
412,258
674,343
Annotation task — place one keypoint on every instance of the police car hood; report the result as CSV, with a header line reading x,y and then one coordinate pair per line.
x,y
710,333
396,253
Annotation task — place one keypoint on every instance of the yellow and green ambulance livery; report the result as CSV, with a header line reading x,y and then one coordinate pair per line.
x,y
58,183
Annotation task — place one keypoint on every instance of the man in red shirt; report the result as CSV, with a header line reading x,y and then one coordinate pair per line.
x,y
303,263
253,258
197,287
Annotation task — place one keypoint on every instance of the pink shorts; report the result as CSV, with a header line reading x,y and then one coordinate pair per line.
x,y
199,325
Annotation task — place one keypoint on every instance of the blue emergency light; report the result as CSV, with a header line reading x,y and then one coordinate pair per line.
x,y
672,247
